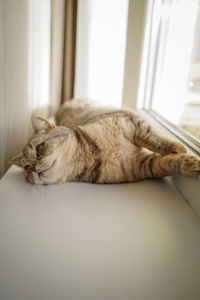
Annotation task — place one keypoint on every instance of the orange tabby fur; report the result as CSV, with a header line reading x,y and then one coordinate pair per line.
x,y
101,145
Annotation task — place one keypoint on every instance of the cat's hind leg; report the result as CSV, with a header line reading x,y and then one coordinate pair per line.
x,y
154,165
147,136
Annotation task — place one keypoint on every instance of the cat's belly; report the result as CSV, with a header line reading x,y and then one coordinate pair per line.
x,y
118,166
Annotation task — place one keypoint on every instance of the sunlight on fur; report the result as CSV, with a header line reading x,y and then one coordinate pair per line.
x,y
100,145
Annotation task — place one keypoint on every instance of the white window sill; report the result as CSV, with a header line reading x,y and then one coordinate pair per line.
x,y
85,241
189,188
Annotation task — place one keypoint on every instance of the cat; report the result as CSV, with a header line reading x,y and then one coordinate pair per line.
x,y
100,145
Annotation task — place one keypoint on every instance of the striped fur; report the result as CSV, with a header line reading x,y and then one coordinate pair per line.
x,y
102,145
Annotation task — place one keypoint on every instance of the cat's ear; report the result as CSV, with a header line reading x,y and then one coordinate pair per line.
x,y
40,124
16,160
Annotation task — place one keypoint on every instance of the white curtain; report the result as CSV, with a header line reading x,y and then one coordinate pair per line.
x,y
25,28
37,52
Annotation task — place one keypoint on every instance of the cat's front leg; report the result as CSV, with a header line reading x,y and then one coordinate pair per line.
x,y
157,166
148,137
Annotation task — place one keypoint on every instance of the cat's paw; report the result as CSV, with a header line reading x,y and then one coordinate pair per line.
x,y
190,166
177,148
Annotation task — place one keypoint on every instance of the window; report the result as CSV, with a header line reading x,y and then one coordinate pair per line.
x,y
170,78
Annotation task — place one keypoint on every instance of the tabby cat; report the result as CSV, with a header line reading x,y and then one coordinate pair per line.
x,y
100,146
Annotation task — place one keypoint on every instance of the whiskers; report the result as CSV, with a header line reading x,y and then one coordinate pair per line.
x,y
39,156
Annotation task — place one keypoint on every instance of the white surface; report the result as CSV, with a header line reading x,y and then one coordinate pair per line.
x,y
86,241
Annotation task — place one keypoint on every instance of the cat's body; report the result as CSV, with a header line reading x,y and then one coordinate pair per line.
x,y
101,145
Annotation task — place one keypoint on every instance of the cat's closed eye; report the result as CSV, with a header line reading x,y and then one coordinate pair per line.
x,y
26,167
40,150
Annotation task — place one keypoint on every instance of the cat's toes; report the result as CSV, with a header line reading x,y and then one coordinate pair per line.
x,y
190,166
177,148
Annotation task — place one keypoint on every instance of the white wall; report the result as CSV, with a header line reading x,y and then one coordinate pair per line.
x,y
24,70
14,74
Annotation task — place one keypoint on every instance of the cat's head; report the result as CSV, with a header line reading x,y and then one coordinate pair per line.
x,y
45,157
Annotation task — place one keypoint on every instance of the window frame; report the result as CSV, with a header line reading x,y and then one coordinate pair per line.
x,y
137,93
146,85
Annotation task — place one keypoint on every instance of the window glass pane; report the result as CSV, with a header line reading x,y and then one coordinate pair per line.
x,y
176,82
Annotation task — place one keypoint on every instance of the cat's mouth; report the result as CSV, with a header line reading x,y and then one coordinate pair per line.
x,y
34,180
41,173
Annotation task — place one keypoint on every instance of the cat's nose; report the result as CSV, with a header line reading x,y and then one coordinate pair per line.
x,y
33,168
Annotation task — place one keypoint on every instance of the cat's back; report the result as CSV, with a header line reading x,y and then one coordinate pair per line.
x,y
78,112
